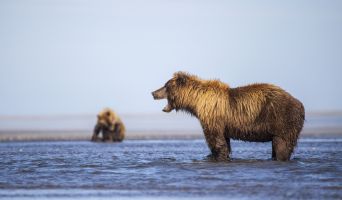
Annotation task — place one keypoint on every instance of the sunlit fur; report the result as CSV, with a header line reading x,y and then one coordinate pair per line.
x,y
256,112
110,125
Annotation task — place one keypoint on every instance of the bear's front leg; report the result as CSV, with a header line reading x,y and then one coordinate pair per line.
x,y
96,132
217,145
229,148
95,138
107,136
220,151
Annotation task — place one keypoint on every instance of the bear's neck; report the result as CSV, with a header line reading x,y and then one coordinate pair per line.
x,y
205,102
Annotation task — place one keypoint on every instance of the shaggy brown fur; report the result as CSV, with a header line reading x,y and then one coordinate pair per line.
x,y
255,113
110,125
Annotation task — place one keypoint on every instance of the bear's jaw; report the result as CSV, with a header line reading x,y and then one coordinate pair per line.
x,y
168,108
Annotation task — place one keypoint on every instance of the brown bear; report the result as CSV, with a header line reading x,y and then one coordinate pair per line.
x,y
111,126
255,113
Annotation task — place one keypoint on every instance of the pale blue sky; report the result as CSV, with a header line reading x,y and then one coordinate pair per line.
x,y
78,56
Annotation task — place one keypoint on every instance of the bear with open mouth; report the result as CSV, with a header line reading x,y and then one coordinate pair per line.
x,y
255,113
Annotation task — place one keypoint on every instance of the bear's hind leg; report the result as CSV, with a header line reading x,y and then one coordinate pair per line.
x,y
273,151
281,150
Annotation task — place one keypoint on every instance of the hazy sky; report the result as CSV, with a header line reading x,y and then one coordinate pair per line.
x,y
78,56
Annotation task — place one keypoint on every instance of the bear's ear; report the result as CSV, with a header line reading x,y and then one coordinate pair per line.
x,y
181,78
181,81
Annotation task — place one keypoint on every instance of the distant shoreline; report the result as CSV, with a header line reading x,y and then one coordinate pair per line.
x,y
80,135
139,126
83,135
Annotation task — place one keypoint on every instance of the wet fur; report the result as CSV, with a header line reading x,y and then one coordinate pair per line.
x,y
110,125
255,113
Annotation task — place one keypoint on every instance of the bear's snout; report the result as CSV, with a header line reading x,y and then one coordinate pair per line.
x,y
160,94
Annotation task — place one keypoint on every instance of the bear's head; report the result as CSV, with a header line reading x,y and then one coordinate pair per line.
x,y
176,91
107,118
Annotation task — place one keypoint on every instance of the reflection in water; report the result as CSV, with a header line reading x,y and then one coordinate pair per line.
x,y
169,168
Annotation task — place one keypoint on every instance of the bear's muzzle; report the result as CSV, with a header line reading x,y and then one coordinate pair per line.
x,y
160,94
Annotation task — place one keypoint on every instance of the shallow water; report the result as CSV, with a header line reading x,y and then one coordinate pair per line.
x,y
167,169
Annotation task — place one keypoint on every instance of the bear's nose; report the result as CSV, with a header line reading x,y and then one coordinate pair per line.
x,y
155,95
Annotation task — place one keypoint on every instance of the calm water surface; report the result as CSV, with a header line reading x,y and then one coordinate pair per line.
x,y
167,169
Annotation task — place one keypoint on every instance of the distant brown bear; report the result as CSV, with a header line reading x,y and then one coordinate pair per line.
x,y
110,125
255,113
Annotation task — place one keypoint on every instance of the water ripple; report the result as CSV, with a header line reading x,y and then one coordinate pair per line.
x,y
178,168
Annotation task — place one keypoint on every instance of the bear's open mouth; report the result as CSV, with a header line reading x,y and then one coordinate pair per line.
x,y
162,94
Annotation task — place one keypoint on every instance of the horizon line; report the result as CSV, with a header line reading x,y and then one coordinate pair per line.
x,y
138,114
